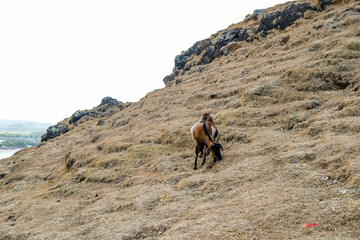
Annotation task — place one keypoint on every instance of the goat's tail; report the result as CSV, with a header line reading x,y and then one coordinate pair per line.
x,y
206,131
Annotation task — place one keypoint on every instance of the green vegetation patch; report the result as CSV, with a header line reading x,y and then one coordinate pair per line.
x,y
17,143
19,140
21,135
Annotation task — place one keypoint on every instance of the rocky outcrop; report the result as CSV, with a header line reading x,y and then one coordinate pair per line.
x,y
281,20
325,3
204,52
99,111
109,101
55,131
108,106
222,43
77,115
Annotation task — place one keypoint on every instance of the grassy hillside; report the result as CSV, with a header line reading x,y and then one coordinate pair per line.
x,y
287,107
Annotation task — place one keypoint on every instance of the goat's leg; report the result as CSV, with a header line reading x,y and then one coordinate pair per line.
x,y
202,150
204,159
196,156
207,152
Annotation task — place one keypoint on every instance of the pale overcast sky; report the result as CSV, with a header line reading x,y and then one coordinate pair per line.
x,y
57,57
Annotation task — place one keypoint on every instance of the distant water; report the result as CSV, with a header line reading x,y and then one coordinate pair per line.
x,y
7,153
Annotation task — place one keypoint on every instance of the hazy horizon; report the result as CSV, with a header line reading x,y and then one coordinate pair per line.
x,y
15,121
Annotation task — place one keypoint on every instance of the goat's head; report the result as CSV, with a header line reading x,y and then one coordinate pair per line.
x,y
215,148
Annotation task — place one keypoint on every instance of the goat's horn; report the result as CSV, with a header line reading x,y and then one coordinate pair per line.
x,y
218,138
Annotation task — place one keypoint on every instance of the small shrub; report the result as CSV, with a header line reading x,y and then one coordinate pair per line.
x,y
111,147
345,126
354,46
317,80
262,91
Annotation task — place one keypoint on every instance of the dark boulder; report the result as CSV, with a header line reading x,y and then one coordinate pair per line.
x,y
292,13
281,20
181,60
325,3
199,47
106,104
110,102
233,35
208,56
169,79
268,21
230,35
223,40
77,115
186,56
55,131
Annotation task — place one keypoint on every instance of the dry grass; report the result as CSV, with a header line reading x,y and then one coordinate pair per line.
x,y
288,113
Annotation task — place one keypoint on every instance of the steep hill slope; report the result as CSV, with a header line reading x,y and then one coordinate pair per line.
x,y
287,105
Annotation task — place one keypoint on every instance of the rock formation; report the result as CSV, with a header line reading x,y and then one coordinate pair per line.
x,y
205,51
107,107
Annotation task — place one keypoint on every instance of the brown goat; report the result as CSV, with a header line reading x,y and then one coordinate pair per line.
x,y
203,133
